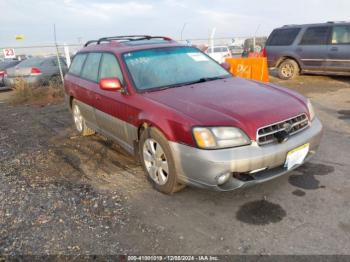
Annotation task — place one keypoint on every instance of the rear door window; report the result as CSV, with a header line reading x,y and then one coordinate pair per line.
x,y
318,35
110,67
341,35
77,64
90,69
283,37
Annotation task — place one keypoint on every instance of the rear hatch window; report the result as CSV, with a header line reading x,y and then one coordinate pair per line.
x,y
283,37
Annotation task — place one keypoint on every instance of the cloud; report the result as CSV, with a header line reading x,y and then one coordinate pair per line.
x,y
106,10
90,19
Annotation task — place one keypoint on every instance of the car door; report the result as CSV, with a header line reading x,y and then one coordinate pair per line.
x,y
112,106
87,87
338,59
312,49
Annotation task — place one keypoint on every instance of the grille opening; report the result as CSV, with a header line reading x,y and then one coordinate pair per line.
x,y
266,135
243,177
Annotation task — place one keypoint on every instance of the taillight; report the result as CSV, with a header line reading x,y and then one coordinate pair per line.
x,y
2,72
264,53
35,71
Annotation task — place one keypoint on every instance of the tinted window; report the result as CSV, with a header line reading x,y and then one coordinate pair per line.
x,y
32,62
90,70
110,67
316,36
7,64
50,62
77,64
341,34
283,37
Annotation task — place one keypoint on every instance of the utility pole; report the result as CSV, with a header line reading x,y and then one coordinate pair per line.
x,y
254,39
182,30
212,39
57,55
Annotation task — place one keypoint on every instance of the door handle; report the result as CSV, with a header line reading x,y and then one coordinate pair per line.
x,y
334,49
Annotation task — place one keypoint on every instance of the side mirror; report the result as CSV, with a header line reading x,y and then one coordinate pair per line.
x,y
226,66
110,84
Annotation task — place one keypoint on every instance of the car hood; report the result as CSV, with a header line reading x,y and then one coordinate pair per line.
x,y
237,102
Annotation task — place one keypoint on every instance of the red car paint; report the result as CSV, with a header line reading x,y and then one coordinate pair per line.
x,y
227,102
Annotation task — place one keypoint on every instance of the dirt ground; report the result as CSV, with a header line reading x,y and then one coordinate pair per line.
x,y
65,194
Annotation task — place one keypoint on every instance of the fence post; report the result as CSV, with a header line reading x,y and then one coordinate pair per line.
x,y
57,54
66,53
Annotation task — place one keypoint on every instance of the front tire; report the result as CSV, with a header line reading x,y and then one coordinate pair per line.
x,y
79,121
157,161
288,69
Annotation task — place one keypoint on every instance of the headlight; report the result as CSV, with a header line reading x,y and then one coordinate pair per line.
x,y
311,110
219,137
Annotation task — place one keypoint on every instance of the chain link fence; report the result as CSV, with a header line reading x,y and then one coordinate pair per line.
x,y
50,49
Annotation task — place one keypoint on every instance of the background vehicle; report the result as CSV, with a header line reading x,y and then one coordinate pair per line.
x,y
311,48
35,71
219,53
260,43
5,65
186,118
236,50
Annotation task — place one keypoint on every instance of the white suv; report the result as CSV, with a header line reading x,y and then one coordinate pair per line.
x,y
219,53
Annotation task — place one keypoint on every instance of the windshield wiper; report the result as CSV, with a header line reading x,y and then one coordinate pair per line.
x,y
201,80
207,79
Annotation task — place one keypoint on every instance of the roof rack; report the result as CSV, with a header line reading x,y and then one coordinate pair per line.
x,y
336,22
291,25
124,38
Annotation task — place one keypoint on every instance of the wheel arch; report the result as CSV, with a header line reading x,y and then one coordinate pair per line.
x,y
71,98
145,124
284,58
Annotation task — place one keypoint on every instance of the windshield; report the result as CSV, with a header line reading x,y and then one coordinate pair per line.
x,y
167,67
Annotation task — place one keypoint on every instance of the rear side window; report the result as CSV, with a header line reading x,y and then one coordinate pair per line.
x,y
316,36
90,70
32,62
283,37
77,64
341,35
110,67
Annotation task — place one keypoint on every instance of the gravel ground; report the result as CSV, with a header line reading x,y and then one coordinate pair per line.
x,y
64,194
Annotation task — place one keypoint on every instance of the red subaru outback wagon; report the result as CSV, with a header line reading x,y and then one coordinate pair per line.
x,y
188,120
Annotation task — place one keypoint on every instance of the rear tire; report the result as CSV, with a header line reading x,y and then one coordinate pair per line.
x,y
288,69
79,121
157,161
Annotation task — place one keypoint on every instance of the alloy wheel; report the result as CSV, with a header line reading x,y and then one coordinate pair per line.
x,y
78,118
155,161
288,70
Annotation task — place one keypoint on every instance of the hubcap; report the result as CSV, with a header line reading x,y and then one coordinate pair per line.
x,y
288,70
155,161
78,118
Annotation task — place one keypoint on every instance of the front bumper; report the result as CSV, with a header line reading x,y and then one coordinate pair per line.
x,y
202,167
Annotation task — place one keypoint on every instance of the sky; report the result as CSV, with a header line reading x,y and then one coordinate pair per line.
x,y
90,19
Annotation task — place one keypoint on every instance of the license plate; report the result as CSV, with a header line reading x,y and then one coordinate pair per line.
x,y
296,156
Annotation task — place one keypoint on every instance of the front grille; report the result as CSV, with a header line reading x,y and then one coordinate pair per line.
x,y
266,135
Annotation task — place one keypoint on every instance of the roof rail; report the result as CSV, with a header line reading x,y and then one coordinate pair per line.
x,y
90,42
290,25
124,38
